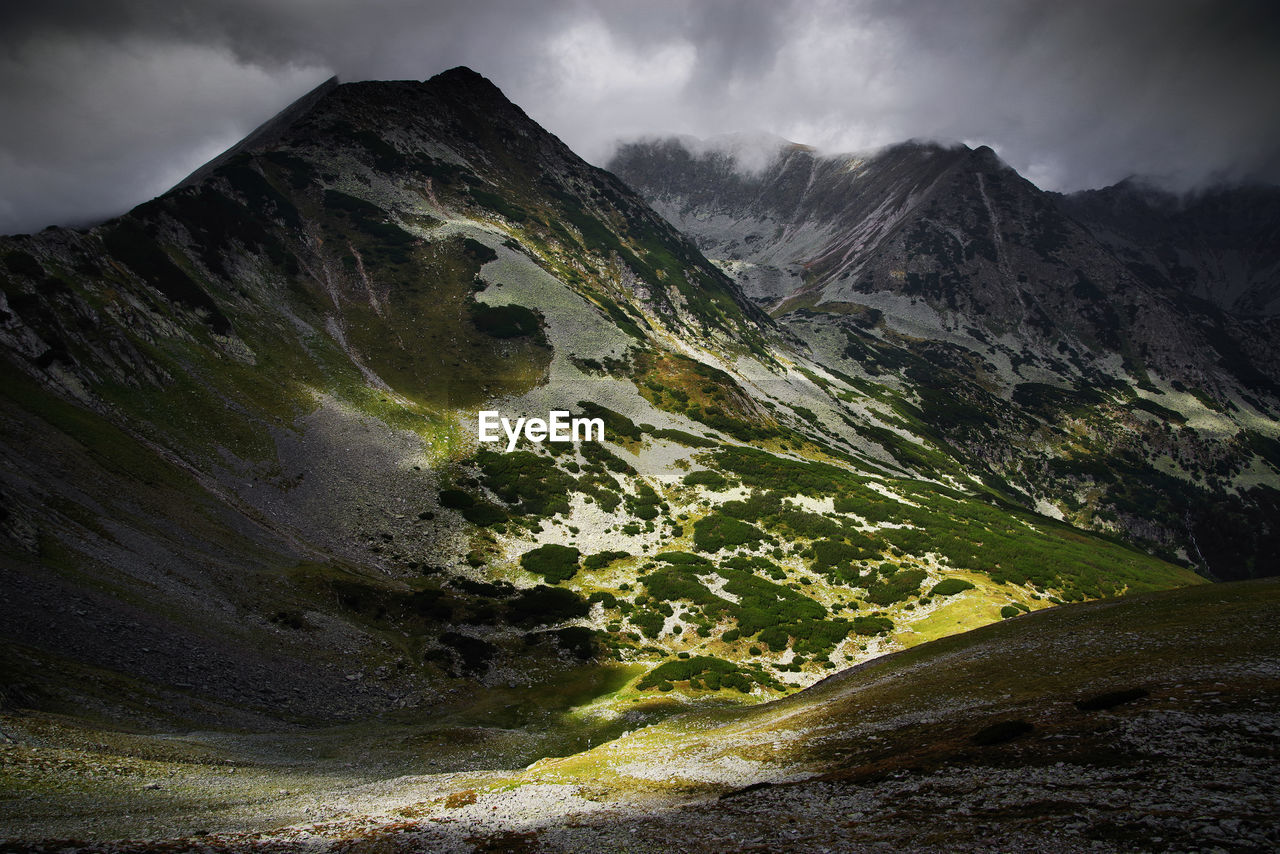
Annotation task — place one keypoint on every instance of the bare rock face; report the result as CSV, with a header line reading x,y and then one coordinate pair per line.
x,y
1218,244
963,233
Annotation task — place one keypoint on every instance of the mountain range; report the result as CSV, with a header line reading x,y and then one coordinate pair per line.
x,y
853,405
1018,315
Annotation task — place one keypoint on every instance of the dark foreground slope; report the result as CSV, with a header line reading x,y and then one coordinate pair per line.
x,y
1124,725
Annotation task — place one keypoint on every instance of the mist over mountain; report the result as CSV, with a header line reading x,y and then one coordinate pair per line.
x,y
854,407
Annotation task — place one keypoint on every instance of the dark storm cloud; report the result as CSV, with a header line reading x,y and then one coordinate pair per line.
x,y
107,103
1085,92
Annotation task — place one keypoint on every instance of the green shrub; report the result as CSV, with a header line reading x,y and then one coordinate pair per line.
x,y
683,559
474,653
872,625
543,604
456,499
1010,611
757,506
712,672
599,560
649,622
580,641
897,587
670,583
645,504
531,483
615,423
484,514
681,437
775,637
813,526
827,555
553,562
950,587
604,597
505,321
711,479
766,471
715,532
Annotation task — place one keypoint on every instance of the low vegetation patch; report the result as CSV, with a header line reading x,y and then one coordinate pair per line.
x,y
869,626
532,484
505,321
707,672
950,587
600,560
542,604
712,480
553,562
898,587
716,532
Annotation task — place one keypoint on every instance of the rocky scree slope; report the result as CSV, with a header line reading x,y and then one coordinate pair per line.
x,y
1054,348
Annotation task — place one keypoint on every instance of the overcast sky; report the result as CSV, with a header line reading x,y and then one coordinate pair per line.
x,y
106,103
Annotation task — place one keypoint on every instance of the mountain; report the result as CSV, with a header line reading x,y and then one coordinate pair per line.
x,y
246,496
1102,393
1220,244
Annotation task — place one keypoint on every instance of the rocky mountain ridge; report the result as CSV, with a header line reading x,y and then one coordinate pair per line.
x,y
1218,244
1008,302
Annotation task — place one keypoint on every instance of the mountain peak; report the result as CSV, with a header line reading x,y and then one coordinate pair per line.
x,y
465,80
984,157
461,75
265,133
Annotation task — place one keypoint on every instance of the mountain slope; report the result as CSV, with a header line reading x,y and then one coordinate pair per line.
x,y
1221,245
1043,733
978,305
245,492
223,408
247,408
289,350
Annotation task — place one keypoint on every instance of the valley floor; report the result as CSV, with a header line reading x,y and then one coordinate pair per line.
x,y
1150,723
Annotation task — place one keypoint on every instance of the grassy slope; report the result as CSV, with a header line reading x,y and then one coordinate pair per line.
x,y
928,699
918,713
